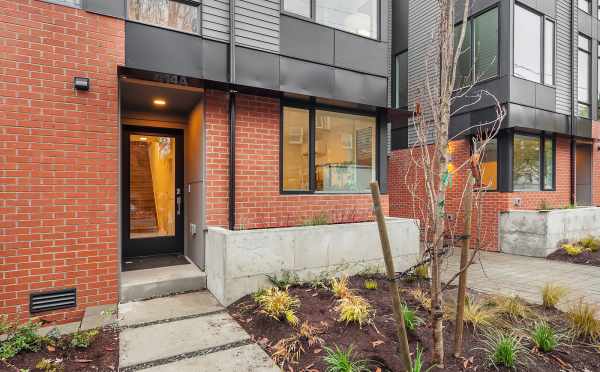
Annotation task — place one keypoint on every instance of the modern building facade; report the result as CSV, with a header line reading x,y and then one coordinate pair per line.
x,y
540,60
128,127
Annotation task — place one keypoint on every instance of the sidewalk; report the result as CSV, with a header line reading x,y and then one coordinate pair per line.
x,y
525,276
186,332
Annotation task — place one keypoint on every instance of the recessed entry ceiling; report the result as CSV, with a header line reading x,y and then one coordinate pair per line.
x,y
137,97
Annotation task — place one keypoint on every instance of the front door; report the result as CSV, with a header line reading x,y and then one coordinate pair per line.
x,y
152,191
583,174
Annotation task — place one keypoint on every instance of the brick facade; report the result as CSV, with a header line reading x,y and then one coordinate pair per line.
x,y
259,204
492,202
59,155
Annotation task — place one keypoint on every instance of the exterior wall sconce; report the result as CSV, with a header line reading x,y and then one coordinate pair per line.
x,y
81,83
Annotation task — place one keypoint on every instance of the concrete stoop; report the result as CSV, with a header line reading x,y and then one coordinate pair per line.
x,y
162,281
186,332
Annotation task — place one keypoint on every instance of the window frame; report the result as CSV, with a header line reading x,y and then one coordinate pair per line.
x,y
544,18
589,52
542,160
589,6
66,3
312,108
472,40
396,80
195,3
313,19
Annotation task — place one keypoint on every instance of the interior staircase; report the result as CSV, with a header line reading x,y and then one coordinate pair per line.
x,y
142,214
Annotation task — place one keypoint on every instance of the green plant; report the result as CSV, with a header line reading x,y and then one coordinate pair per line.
x,y
339,360
20,338
319,219
544,337
411,319
49,365
422,272
83,339
478,314
417,364
572,250
339,287
287,279
590,243
552,294
371,284
513,307
354,309
422,296
583,322
503,349
278,304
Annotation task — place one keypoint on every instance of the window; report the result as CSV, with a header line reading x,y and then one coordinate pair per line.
x,y
585,5
300,7
182,16
359,17
295,149
549,52
401,76
583,77
489,166
74,3
343,158
533,162
478,58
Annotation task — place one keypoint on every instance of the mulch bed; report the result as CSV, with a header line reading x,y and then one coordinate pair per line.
x,y
377,342
585,258
102,355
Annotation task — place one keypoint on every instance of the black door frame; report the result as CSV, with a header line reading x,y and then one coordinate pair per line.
x,y
159,245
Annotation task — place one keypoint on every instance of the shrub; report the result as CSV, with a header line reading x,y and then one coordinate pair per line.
x,y
544,337
339,287
411,319
552,294
423,297
20,338
513,307
278,304
319,219
478,314
371,284
288,350
339,360
354,309
422,272
583,322
83,339
572,250
590,243
503,349
286,280
49,365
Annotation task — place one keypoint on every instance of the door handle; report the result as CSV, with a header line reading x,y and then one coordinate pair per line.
x,y
179,205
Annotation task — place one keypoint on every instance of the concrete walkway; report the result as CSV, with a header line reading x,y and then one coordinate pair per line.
x,y
525,276
185,333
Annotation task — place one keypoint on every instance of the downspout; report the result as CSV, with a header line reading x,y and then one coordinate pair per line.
x,y
572,124
232,115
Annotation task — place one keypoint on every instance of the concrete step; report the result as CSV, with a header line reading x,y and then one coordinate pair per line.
x,y
162,342
162,281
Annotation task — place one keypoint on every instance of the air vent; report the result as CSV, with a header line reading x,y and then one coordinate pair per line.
x,y
47,301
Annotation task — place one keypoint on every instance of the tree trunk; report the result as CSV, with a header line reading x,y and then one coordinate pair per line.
x,y
391,273
464,258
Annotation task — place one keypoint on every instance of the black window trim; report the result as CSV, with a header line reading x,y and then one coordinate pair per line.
x,y
395,96
312,106
542,137
472,51
590,75
313,19
544,18
194,3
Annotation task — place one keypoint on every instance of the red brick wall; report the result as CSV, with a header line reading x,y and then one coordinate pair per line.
x,y
402,203
259,203
59,155
596,164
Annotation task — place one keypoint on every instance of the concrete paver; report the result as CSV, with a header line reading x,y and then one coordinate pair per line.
x,y
525,276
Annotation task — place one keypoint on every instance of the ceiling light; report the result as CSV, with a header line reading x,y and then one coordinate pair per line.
x,y
143,138
160,102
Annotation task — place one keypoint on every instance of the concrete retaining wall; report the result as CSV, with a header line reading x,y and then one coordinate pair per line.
x,y
539,233
237,261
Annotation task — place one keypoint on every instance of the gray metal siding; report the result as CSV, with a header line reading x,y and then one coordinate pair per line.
x,y
563,57
215,19
257,24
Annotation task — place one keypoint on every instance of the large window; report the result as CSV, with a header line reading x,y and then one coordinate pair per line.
x,y
343,155
583,77
356,16
585,5
478,58
401,79
533,162
182,16
533,41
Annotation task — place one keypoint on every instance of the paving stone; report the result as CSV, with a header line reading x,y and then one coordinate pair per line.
x,y
98,316
188,304
249,358
163,340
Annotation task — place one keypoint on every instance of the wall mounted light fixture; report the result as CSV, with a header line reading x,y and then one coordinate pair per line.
x,y
81,83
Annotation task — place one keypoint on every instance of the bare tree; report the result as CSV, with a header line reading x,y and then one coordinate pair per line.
x,y
433,169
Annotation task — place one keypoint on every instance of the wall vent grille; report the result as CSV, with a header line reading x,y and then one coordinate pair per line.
x,y
47,301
